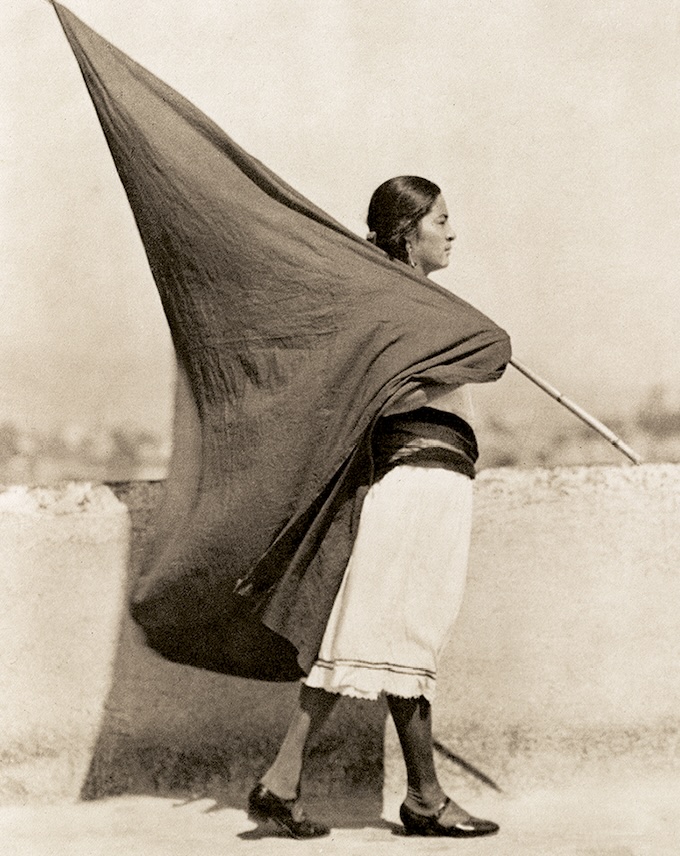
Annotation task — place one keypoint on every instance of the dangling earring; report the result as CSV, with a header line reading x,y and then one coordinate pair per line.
x,y
410,257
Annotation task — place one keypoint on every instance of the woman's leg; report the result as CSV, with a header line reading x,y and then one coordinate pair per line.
x,y
313,709
413,720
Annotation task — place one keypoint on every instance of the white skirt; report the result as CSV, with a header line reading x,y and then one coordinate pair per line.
x,y
402,588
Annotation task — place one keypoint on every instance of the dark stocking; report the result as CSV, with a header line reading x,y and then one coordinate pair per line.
x,y
413,720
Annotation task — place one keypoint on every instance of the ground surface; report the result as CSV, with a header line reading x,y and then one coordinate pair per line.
x,y
632,818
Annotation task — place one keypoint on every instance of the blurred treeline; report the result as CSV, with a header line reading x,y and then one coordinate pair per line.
x,y
126,452
552,437
123,452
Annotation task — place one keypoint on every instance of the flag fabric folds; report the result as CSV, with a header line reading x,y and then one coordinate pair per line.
x,y
292,335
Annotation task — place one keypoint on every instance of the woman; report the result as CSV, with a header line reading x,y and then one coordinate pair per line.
x,y
410,556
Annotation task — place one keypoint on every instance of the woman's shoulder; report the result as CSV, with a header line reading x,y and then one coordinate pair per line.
x,y
456,400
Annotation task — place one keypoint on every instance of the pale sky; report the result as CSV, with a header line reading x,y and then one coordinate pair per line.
x,y
552,127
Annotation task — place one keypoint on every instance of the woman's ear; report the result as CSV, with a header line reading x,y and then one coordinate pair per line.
x,y
409,254
409,240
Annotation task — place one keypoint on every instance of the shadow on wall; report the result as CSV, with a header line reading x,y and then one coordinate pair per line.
x,y
175,730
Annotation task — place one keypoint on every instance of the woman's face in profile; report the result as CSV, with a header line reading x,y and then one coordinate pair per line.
x,y
432,238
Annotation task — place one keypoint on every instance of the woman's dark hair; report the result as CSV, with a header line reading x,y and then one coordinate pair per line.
x,y
395,208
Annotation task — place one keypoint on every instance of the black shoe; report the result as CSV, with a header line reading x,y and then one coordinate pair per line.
x,y
263,805
428,824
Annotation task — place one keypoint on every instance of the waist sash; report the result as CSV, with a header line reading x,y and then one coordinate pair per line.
x,y
425,437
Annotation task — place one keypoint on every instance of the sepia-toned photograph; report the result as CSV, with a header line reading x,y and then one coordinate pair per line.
x,y
340,427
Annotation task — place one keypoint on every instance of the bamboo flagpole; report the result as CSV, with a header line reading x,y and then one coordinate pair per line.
x,y
578,411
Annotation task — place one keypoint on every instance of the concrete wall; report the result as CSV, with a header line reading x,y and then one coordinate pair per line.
x,y
63,569
565,655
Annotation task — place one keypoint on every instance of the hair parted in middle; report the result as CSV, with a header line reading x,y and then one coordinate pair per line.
x,y
395,209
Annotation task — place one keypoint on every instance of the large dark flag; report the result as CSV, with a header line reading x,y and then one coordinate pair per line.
x,y
292,335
